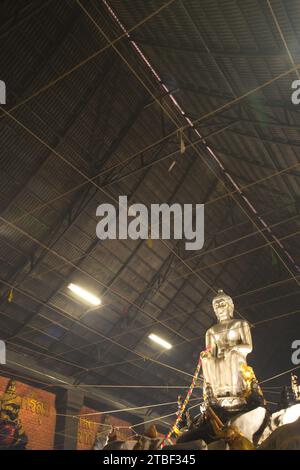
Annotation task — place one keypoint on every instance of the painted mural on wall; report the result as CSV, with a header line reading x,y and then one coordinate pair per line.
x,y
27,416
12,434
87,429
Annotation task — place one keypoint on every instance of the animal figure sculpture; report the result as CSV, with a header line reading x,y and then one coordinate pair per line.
x,y
286,437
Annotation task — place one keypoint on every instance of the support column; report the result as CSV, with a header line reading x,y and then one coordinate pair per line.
x,y
69,403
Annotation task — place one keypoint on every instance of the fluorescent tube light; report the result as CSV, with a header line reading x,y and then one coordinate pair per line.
x,y
160,341
84,294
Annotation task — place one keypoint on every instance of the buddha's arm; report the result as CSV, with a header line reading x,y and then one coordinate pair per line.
x,y
245,346
210,343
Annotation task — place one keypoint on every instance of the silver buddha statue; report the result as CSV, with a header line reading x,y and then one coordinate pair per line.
x,y
228,343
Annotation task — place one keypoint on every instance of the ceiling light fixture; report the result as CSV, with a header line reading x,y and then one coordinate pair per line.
x,y
160,341
84,294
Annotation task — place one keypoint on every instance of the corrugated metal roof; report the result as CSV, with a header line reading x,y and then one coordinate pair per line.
x,y
96,118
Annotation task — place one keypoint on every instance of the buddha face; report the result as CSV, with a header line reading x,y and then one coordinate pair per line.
x,y
223,308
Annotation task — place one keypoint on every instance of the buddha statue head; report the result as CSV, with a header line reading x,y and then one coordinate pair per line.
x,y
223,306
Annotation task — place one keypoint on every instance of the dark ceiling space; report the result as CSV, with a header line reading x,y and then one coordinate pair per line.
x,y
94,112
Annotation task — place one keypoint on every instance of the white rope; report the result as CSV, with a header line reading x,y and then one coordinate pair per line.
x,y
279,375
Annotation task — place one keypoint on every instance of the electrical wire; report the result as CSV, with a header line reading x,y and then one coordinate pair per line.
x,y
123,410
165,387
267,286
153,420
280,374
82,415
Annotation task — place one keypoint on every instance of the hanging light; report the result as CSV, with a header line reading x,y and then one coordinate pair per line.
x,y
160,341
84,294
